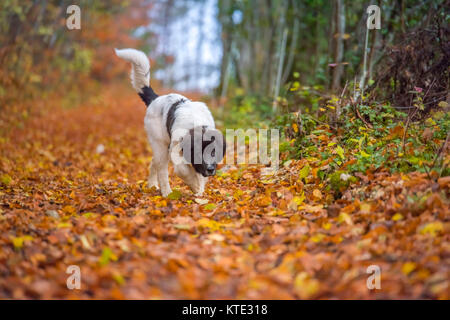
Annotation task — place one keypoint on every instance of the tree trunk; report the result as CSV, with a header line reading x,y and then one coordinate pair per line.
x,y
293,47
338,36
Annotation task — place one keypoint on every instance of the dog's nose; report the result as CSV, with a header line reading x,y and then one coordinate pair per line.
x,y
210,170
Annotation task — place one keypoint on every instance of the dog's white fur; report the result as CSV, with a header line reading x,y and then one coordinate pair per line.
x,y
187,116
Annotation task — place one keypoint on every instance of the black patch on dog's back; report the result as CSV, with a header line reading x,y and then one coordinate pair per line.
x,y
147,95
171,115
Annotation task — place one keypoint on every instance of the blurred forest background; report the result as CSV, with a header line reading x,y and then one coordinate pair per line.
x,y
226,46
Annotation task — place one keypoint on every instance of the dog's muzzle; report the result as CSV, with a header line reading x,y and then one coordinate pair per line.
x,y
210,170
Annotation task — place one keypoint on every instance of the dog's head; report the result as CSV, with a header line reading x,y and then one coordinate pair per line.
x,y
200,150
203,148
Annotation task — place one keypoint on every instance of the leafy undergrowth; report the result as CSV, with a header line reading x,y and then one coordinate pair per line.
x,y
73,192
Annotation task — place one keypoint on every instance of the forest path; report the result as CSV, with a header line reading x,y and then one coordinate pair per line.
x,y
73,193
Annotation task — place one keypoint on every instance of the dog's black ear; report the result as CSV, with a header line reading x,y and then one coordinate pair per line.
x,y
202,146
191,146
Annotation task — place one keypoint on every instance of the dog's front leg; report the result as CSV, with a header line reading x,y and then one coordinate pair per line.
x,y
153,175
162,168
201,185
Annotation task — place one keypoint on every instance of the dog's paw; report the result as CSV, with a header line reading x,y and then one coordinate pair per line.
x,y
165,193
153,185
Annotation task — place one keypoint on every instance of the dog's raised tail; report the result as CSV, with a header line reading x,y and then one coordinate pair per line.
x,y
140,73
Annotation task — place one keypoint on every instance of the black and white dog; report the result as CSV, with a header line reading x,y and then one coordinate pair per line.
x,y
178,129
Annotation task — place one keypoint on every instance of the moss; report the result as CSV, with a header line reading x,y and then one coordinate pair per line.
x,y
340,181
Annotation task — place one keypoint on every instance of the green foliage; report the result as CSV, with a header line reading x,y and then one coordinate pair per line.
x,y
244,111
308,96
382,146
356,146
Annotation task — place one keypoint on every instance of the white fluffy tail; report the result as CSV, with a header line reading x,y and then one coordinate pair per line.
x,y
140,67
